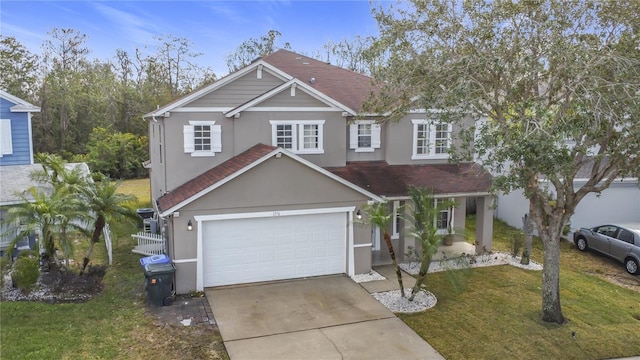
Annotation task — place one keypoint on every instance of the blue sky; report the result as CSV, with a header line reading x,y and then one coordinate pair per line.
x,y
215,27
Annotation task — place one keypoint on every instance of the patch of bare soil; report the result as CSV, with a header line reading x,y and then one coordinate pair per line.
x,y
58,286
623,279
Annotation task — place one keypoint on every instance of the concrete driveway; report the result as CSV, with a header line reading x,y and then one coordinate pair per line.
x,y
328,317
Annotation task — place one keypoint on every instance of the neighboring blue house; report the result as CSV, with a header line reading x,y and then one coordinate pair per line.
x,y
16,159
16,145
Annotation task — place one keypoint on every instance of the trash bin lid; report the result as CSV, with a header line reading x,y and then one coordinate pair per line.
x,y
155,259
157,269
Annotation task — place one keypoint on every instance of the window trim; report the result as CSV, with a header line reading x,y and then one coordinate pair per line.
x,y
431,144
354,134
189,137
298,135
395,231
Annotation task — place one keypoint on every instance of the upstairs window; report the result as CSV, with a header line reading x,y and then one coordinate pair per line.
x,y
431,139
364,136
301,137
285,136
202,138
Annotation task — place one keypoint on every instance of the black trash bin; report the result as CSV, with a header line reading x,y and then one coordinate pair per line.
x,y
145,214
159,283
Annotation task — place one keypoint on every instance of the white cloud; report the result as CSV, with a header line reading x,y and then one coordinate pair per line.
x,y
135,29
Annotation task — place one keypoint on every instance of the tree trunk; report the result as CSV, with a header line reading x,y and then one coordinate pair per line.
x,y
100,222
424,268
527,228
551,309
392,254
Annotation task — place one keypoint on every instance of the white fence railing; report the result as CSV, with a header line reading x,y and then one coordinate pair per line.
x,y
149,244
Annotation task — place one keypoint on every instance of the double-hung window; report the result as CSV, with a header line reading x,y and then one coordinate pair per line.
x,y
431,139
301,137
202,138
364,136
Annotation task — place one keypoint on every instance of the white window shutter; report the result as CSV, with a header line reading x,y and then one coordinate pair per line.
x,y
353,136
6,145
216,138
188,132
375,136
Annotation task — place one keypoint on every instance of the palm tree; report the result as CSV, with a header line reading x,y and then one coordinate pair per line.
x,y
105,203
424,213
377,214
48,215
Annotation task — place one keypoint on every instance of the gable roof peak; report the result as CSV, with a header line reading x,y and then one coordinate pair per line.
x,y
20,104
345,86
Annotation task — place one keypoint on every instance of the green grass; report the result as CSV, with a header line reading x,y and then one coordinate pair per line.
x,y
114,325
139,188
498,314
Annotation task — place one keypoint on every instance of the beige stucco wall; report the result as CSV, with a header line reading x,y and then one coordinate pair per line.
x,y
238,135
362,254
399,139
376,155
277,184
254,127
156,155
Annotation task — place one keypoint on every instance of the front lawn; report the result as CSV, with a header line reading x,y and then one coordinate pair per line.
x,y
114,325
497,315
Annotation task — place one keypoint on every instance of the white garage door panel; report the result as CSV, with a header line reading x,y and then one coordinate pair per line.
x,y
272,248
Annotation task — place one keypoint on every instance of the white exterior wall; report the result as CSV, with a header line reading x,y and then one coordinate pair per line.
x,y
511,207
620,203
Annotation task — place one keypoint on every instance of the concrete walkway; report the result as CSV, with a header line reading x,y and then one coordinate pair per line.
x,y
328,317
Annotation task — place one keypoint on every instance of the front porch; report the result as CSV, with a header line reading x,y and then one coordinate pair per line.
x,y
459,248
465,242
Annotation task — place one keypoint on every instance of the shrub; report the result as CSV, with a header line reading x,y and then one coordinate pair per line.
x,y
518,242
25,272
27,253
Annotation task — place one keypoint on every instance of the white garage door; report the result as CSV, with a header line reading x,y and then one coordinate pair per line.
x,y
273,248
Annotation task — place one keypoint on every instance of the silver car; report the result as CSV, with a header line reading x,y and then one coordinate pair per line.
x,y
621,242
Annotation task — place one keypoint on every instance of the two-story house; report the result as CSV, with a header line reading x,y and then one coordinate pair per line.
x,y
16,156
263,174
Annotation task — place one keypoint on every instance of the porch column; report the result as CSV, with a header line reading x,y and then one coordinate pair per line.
x,y
406,240
460,213
484,224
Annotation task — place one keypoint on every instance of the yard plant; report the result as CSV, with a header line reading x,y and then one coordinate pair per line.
x,y
552,84
496,315
116,324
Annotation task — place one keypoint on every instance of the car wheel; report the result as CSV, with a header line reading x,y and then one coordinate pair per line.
x,y
582,244
632,266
